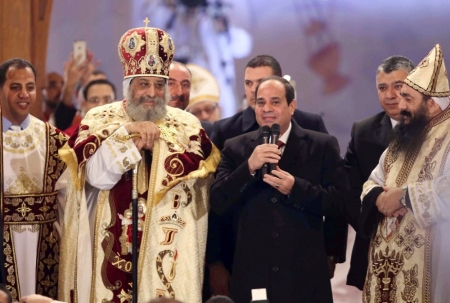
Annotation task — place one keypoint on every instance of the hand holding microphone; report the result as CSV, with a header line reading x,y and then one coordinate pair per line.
x,y
275,131
264,155
265,130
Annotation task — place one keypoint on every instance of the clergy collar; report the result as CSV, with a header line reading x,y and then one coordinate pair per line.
x,y
6,124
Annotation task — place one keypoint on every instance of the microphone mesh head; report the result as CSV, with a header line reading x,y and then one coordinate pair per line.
x,y
275,129
265,130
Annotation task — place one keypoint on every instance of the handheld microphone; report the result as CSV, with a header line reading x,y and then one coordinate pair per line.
x,y
265,138
274,140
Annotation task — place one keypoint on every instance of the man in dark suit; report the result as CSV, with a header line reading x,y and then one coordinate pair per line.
x,y
243,122
370,137
221,239
280,245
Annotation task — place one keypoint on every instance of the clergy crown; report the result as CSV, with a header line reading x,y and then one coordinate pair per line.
x,y
204,85
430,76
146,51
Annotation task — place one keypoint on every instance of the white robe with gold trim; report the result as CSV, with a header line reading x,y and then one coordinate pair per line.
x,y
174,229
25,155
422,238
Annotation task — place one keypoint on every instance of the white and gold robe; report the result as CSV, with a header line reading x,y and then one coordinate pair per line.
x,y
34,187
173,203
409,257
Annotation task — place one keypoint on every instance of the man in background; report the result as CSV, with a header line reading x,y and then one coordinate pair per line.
x,y
180,84
52,94
405,202
77,76
96,93
205,95
369,138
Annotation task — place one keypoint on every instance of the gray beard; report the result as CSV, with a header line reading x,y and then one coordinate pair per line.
x,y
138,113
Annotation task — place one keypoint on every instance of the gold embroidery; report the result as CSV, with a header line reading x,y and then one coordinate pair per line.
x,y
27,209
48,259
426,173
23,184
133,44
174,219
173,133
411,284
21,228
122,264
125,296
12,278
366,289
21,142
23,210
385,267
169,235
160,270
188,193
409,240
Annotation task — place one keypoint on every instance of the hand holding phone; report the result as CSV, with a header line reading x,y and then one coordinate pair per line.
x,y
79,51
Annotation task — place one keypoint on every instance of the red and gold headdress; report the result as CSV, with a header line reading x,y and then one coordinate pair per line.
x,y
146,51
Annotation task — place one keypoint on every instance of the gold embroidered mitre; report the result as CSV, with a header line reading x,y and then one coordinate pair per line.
x,y
430,76
146,51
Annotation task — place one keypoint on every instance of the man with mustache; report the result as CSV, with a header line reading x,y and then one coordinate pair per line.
x,y
180,82
369,138
405,202
279,216
33,185
222,233
176,162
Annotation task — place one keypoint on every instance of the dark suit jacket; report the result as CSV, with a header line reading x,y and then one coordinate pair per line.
x,y
279,240
221,240
207,126
370,137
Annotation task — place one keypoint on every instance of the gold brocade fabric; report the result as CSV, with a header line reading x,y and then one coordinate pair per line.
x,y
174,231
400,252
30,203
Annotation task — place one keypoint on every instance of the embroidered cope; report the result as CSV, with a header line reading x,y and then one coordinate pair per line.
x,y
408,257
34,183
173,187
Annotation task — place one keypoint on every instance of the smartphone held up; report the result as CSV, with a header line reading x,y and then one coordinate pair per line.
x,y
79,51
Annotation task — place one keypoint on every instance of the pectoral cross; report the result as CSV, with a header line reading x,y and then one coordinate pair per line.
x,y
146,21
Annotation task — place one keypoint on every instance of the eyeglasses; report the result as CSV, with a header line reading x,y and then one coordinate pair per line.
x,y
207,109
97,100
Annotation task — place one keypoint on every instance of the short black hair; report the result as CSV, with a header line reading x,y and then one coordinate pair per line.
x,y
17,63
289,89
266,60
219,299
98,72
393,63
8,294
98,82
